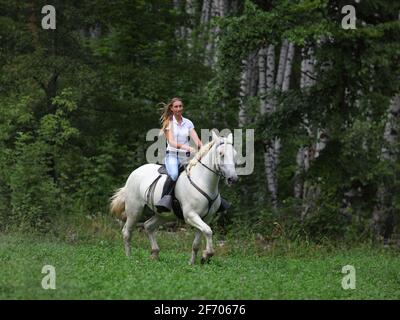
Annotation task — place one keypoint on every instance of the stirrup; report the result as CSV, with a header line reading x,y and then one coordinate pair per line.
x,y
225,205
165,204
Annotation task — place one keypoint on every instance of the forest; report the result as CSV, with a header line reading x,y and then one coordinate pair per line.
x,y
323,99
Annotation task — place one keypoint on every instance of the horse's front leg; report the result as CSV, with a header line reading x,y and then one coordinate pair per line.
x,y
195,247
194,220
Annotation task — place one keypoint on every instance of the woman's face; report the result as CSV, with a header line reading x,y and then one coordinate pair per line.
x,y
177,108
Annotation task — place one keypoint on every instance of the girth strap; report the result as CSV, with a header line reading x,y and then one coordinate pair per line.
x,y
210,201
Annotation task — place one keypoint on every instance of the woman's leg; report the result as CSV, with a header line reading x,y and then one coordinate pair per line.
x,y
171,164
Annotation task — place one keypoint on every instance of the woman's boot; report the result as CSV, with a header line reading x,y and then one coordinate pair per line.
x,y
165,203
225,205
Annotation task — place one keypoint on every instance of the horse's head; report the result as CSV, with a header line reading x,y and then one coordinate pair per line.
x,y
225,157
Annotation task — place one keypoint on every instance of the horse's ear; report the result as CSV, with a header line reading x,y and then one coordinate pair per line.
x,y
230,138
214,136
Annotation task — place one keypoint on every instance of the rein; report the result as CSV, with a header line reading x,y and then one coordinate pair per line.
x,y
218,173
213,171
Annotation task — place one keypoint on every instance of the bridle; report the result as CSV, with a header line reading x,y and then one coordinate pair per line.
x,y
216,172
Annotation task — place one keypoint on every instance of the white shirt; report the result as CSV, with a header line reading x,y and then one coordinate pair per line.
x,y
180,132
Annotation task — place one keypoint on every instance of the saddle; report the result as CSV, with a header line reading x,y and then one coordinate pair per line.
x,y
163,169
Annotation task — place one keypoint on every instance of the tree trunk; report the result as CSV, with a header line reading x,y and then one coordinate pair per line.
x,y
288,67
262,80
205,12
253,74
311,192
271,158
303,190
282,64
270,106
300,170
271,147
270,170
221,8
190,11
303,151
242,94
307,68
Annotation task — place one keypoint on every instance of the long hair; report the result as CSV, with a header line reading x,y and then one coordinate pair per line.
x,y
166,115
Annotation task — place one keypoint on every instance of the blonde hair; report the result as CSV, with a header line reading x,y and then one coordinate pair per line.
x,y
199,155
167,113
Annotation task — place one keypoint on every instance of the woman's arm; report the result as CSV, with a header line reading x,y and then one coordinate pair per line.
x,y
195,137
173,143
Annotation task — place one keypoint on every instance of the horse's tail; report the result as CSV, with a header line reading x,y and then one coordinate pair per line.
x,y
117,205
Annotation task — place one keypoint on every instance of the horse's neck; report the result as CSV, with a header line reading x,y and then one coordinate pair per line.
x,y
207,178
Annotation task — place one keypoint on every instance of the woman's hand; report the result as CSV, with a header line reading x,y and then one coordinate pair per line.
x,y
187,148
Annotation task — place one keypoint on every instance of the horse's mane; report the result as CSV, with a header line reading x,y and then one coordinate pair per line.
x,y
199,155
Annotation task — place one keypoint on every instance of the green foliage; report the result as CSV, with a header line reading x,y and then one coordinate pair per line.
x,y
239,270
358,74
34,195
74,107
76,103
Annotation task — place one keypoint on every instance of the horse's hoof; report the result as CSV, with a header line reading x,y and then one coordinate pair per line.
x,y
205,260
154,255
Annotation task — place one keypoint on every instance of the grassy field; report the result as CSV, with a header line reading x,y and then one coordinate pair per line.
x,y
98,269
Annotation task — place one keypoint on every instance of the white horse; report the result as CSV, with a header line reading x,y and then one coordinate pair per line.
x,y
196,189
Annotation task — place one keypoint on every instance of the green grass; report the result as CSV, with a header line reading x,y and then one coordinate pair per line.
x,y
98,269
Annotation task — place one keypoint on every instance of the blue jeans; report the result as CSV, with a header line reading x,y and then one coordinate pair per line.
x,y
172,164
172,161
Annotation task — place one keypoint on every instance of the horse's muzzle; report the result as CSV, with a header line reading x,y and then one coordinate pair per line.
x,y
232,180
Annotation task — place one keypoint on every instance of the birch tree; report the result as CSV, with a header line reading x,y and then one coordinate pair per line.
x,y
248,86
205,12
262,77
303,154
190,11
271,83
288,67
243,91
212,9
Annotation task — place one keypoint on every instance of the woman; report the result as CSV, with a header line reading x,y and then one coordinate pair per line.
x,y
177,130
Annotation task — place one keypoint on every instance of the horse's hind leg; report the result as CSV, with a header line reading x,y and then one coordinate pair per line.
x,y
133,215
151,226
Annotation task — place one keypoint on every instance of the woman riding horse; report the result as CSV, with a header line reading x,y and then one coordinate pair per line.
x,y
177,130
